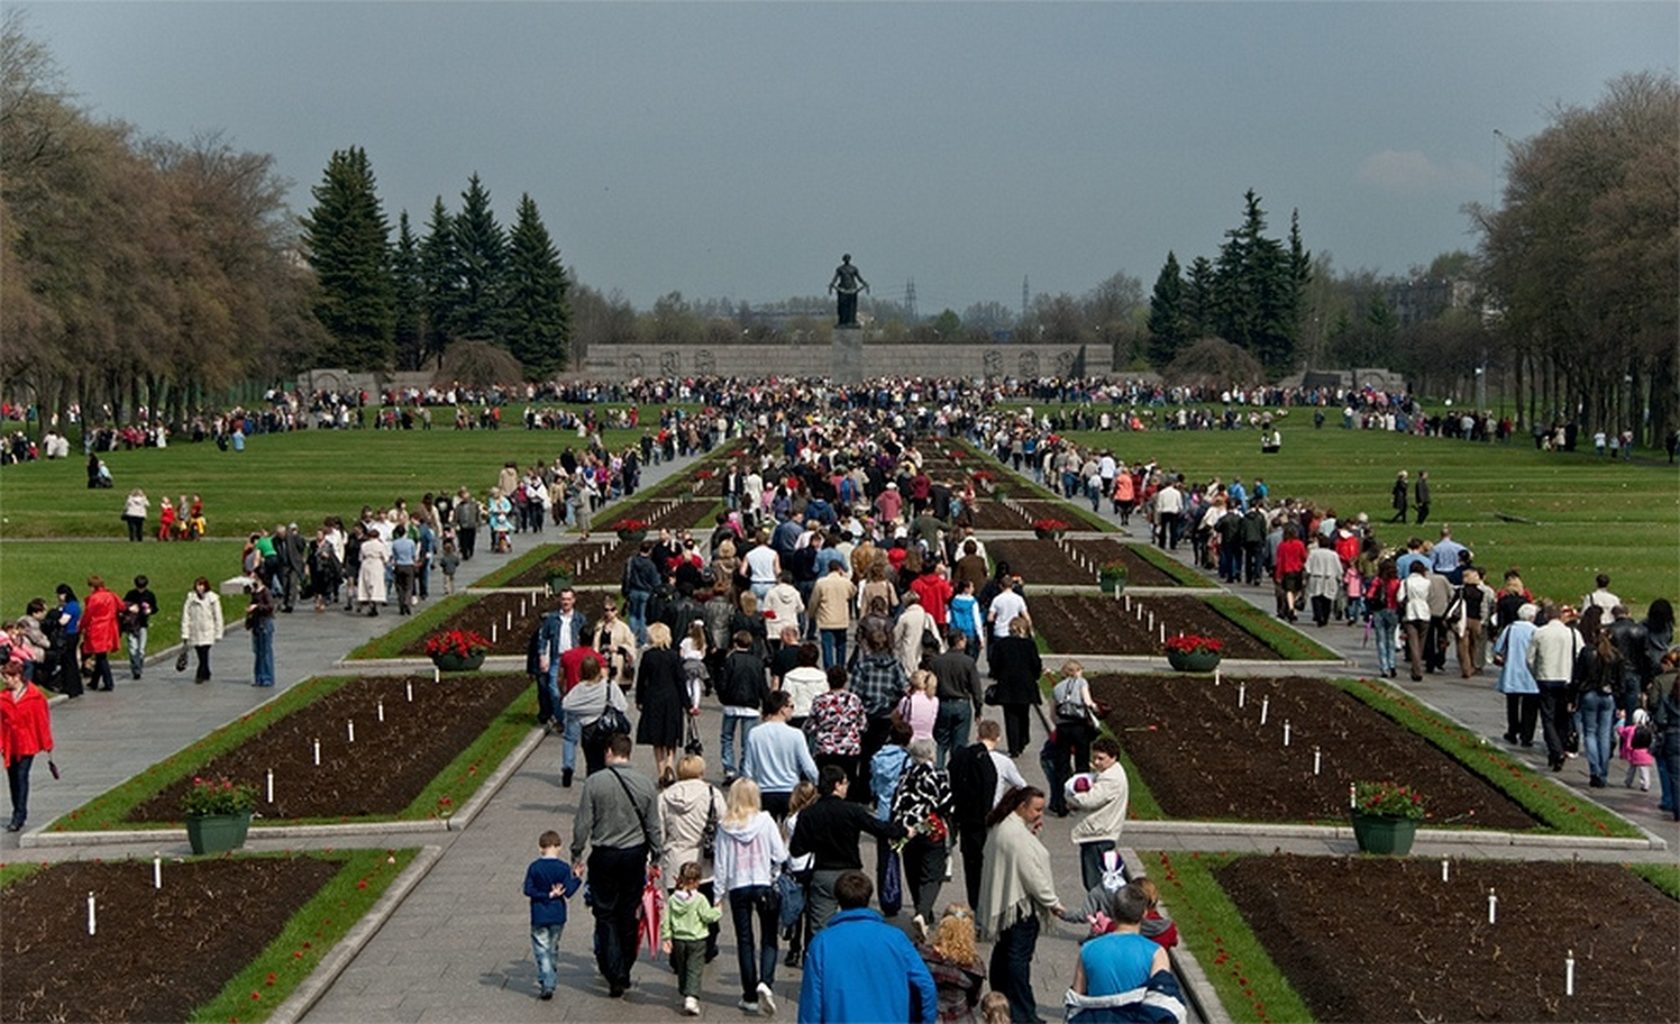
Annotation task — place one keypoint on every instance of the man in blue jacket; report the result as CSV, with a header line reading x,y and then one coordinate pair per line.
x,y
862,969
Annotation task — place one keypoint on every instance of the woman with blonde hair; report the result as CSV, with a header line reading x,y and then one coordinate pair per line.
x,y
954,962
662,699
920,707
686,808
750,854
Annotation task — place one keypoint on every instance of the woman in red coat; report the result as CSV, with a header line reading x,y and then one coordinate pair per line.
x,y
100,635
25,730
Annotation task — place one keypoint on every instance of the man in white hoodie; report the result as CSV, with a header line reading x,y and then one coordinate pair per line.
x,y
1102,794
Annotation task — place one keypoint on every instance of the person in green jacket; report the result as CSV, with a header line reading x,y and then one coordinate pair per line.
x,y
682,932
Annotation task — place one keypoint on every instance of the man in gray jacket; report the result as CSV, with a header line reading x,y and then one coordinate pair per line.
x,y
616,818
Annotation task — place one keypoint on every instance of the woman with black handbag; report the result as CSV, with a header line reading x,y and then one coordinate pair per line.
x,y
600,707
689,811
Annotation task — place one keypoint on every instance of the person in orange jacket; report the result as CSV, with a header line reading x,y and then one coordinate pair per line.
x,y
25,730
100,634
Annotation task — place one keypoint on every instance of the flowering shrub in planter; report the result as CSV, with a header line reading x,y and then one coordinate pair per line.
x,y
631,529
1390,799
218,796
1049,528
459,643
1189,652
1190,643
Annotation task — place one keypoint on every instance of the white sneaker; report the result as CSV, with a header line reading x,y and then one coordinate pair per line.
x,y
766,998
750,1009
918,928
691,1006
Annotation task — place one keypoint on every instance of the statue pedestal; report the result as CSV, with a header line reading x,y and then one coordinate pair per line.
x,y
846,367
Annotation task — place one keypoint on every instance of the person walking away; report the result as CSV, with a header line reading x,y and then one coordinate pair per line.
x,y
259,620
100,631
466,519
597,706
683,933
1475,600
370,586
405,556
1383,601
134,514
201,624
689,811
1551,657
1289,567
1596,673
1398,498
750,855
1636,740
25,732
741,690
664,701
1015,665
616,821
1665,723
1017,897
1414,610
139,605
959,694
828,830
830,611
923,805
1324,580
862,970
777,757
1102,794
549,883
1076,726
980,776
1516,681
1421,496
836,726
879,681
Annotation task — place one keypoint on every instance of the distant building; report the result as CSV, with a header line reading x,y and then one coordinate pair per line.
x,y
1426,298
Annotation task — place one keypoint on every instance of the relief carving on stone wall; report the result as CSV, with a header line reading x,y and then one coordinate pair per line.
x,y
670,362
991,364
1029,364
705,361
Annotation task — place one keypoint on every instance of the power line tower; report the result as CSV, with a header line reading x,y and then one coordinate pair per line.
x,y
910,298
1024,293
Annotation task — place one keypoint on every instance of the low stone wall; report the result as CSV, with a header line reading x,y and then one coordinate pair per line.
x,y
621,362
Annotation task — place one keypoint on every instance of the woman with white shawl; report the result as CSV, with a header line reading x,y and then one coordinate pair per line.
x,y
1017,896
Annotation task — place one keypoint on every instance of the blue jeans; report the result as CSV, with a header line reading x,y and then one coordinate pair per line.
x,y
638,615
570,735
545,944
745,903
950,727
1011,967
137,650
1597,711
833,647
727,741
550,683
262,646
1384,623
17,779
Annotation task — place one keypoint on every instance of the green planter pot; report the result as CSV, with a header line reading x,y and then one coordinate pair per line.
x,y
458,663
632,536
1383,833
217,833
558,583
1193,661
1047,534
1112,584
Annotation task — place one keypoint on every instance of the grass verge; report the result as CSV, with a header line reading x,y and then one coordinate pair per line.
x,y
1665,877
458,781
390,645
10,873
1248,983
1555,807
266,982
1289,644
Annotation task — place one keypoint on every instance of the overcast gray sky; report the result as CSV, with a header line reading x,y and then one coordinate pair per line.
x,y
735,150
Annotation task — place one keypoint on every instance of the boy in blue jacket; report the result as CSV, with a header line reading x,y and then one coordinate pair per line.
x,y
859,968
549,882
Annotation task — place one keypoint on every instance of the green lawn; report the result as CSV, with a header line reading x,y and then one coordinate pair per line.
x,y
1589,515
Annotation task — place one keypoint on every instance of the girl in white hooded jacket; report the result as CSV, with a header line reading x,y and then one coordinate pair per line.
x,y
750,853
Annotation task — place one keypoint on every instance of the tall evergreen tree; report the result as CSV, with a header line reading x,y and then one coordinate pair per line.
x,y
1253,290
440,281
406,297
1197,305
481,252
1300,275
1166,314
537,317
346,239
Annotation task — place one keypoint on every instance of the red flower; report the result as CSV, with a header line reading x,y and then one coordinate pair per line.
x,y
1190,643
463,643
1049,525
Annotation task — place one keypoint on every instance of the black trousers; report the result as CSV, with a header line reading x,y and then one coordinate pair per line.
x,y
1016,728
616,875
971,840
1554,718
466,534
1521,712
875,736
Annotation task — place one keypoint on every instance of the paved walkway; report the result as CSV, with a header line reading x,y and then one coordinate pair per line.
x,y
457,948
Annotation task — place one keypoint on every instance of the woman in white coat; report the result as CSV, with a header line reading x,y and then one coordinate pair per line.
x,y
370,583
201,625
1324,580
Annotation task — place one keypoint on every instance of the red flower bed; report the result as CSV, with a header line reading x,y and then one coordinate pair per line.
x,y
1190,643
462,643
631,525
1049,525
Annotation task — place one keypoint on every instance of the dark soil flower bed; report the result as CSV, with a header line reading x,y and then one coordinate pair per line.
x,y
492,610
681,516
1140,572
388,766
157,954
609,569
1080,624
992,514
1040,561
1205,758
1385,940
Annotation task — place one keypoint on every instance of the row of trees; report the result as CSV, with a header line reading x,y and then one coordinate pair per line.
x,y
387,303
1252,295
135,272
